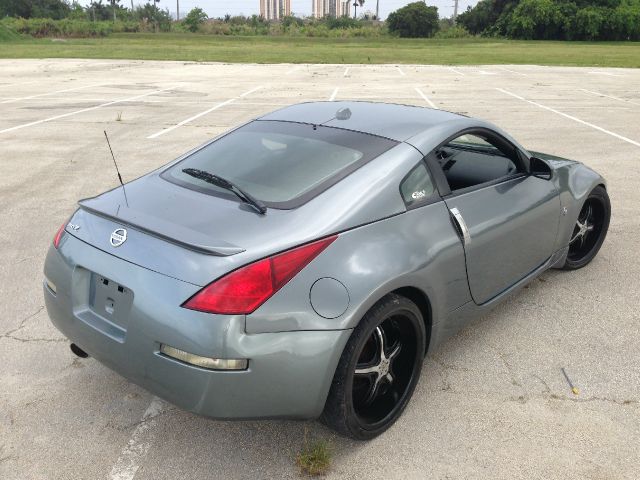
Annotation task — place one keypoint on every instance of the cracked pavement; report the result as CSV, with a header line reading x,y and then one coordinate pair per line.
x,y
492,401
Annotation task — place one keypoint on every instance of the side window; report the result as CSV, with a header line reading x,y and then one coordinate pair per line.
x,y
417,186
470,160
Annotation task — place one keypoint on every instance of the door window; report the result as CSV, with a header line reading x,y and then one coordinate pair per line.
x,y
471,159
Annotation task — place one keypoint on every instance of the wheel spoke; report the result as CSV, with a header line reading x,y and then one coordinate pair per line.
x,y
380,335
372,391
577,235
394,353
368,370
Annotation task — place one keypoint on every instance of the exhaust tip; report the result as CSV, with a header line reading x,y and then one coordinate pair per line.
x,y
78,351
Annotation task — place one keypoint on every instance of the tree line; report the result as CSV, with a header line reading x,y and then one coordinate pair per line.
x,y
44,18
555,19
96,11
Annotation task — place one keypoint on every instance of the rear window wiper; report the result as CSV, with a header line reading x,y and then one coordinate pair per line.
x,y
218,181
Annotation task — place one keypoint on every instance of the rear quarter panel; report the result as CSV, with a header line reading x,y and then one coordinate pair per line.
x,y
418,248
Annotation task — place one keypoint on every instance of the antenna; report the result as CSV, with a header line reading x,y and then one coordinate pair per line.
x,y
117,171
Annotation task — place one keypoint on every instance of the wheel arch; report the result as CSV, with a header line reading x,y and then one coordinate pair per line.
x,y
575,181
421,299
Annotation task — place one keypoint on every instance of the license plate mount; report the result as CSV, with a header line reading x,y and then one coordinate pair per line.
x,y
110,300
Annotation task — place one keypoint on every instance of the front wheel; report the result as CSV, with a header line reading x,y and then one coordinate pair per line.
x,y
378,370
590,229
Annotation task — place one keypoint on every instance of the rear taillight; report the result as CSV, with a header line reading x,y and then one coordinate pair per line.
x,y
59,233
244,290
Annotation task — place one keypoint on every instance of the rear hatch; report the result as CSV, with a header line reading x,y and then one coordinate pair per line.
x,y
173,230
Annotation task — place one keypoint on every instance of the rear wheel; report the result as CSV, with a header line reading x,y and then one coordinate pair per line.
x,y
590,229
378,370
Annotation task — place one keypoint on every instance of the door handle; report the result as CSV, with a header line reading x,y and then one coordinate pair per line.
x,y
457,216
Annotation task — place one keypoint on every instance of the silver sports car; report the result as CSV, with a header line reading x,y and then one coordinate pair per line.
x,y
303,264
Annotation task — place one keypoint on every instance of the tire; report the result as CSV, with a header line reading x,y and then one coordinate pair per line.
x,y
362,404
590,230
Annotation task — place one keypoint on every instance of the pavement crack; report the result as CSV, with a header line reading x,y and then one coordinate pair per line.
x,y
35,340
22,323
615,401
11,334
547,390
507,366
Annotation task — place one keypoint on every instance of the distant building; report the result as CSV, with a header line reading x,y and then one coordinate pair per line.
x,y
275,9
332,8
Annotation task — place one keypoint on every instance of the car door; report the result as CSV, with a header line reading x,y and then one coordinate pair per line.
x,y
506,218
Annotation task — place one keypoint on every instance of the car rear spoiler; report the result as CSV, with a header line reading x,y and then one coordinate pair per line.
x,y
157,227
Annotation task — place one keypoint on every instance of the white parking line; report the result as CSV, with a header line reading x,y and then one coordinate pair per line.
x,y
511,71
51,93
128,463
346,71
333,95
609,96
64,115
486,72
426,99
571,117
606,73
400,71
454,70
201,114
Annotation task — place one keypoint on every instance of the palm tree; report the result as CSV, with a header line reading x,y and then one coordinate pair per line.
x,y
113,6
357,3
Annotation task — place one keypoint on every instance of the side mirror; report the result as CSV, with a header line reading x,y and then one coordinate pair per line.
x,y
539,168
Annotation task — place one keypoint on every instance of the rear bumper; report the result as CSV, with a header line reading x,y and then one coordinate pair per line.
x,y
289,373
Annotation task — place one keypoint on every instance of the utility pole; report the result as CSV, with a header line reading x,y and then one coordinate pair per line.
x,y
378,9
355,9
131,6
455,11
178,9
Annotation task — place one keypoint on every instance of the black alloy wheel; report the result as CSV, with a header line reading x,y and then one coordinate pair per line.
x,y
589,230
378,370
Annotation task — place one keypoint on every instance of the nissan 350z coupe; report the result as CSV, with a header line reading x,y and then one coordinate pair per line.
x,y
303,264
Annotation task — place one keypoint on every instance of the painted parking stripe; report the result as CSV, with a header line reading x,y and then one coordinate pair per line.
x,y
51,93
455,70
64,115
598,94
137,447
511,71
426,99
201,114
346,72
333,95
571,117
609,74
400,71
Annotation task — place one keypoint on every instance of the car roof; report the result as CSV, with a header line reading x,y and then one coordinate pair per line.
x,y
424,128
394,121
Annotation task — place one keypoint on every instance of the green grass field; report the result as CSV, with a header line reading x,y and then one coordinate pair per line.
x,y
174,46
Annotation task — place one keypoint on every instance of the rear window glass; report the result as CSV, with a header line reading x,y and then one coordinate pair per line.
x,y
284,164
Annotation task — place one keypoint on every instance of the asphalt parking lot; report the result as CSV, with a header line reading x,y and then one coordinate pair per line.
x,y
492,401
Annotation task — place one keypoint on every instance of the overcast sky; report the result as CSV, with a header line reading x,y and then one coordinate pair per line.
x,y
218,8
